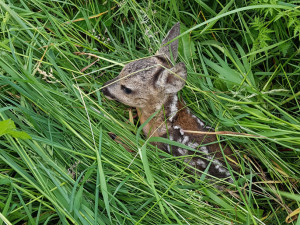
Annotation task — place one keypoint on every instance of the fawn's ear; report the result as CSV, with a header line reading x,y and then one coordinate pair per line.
x,y
172,80
170,50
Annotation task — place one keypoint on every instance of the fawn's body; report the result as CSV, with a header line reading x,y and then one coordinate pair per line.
x,y
151,85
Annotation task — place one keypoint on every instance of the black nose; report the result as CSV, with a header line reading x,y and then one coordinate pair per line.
x,y
107,93
104,91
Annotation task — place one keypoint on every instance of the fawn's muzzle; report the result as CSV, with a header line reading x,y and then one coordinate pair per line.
x,y
107,94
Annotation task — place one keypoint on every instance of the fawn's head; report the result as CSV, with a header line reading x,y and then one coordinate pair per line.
x,y
149,80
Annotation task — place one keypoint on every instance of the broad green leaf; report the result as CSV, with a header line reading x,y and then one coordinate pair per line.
x,y
8,127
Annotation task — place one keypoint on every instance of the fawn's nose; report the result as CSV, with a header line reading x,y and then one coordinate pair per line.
x,y
107,93
104,91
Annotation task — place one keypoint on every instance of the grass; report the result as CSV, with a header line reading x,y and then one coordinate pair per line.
x,y
243,65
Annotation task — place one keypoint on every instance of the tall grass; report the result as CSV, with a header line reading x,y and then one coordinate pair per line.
x,y
243,65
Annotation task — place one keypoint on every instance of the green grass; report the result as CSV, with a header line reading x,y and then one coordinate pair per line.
x,y
243,76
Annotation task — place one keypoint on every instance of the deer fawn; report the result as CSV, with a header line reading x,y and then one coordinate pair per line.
x,y
151,85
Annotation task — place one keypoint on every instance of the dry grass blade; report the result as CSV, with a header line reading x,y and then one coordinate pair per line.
x,y
226,133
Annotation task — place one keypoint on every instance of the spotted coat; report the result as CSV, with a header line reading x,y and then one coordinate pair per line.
x,y
207,148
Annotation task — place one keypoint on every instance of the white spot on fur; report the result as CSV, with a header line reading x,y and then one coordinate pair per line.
x,y
185,139
180,130
188,110
173,108
201,163
182,151
223,170
193,145
204,149
169,149
218,165
192,163
198,121
217,162
230,180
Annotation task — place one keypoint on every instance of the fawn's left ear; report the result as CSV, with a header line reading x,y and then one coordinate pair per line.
x,y
172,80
170,50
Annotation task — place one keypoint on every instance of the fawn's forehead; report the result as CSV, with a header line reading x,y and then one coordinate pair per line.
x,y
144,69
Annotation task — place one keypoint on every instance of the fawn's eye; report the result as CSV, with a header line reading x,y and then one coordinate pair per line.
x,y
126,90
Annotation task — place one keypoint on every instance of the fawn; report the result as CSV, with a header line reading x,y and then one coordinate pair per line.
x,y
151,85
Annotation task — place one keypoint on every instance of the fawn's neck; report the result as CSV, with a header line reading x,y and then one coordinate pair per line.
x,y
172,113
167,110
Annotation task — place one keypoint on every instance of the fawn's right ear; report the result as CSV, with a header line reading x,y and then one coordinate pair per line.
x,y
172,80
170,50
